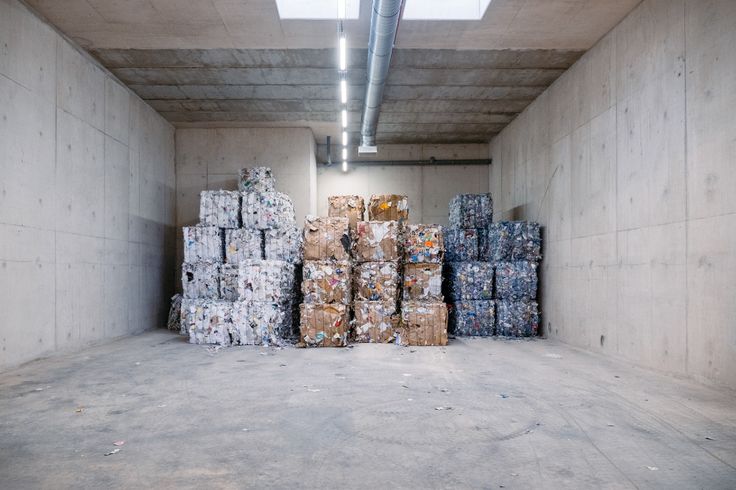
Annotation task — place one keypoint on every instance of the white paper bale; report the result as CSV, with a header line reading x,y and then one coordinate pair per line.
x,y
283,244
243,244
260,322
200,280
202,244
229,282
267,210
208,321
265,280
256,179
219,208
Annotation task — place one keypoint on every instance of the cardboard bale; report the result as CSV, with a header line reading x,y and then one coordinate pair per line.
x,y
324,325
350,207
422,282
517,318
423,243
229,274
388,207
202,244
516,281
469,280
200,280
473,318
267,210
423,323
377,241
376,281
513,240
219,208
461,245
256,179
326,281
265,280
471,211
326,239
375,321
243,244
208,321
283,244
260,323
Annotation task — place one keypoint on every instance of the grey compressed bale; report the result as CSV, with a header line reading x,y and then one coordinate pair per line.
x,y
283,244
243,244
473,318
256,179
517,318
469,280
516,280
219,208
527,241
267,210
174,320
471,211
200,280
202,243
512,240
461,245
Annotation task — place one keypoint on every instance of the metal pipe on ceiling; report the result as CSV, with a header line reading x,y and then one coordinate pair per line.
x,y
428,163
384,24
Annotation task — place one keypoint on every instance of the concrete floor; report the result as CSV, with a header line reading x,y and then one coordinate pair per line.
x,y
531,414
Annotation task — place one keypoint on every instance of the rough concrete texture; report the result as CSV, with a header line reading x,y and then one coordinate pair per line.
x,y
86,198
627,160
429,187
368,417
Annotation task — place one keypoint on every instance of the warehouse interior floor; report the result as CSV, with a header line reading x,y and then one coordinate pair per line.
x,y
478,413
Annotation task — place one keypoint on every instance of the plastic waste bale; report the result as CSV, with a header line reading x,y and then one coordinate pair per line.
x,y
473,318
200,280
422,323
471,211
202,244
243,244
376,281
376,241
324,325
265,280
513,240
283,244
208,321
375,321
517,318
219,208
326,281
423,243
461,245
388,207
326,238
267,210
260,323
469,280
350,207
422,282
256,179
516,280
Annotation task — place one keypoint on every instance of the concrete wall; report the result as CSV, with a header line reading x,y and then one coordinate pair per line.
x,y
429,187
86,198
629,161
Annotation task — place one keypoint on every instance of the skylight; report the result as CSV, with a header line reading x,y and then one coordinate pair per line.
x,y
318,9
444,10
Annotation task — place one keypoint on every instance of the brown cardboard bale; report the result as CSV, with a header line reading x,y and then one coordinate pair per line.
x,y
422,282
350,207
423,243
324,325
375,321
326,238
388,207
376,281
377,241
326,281
423,324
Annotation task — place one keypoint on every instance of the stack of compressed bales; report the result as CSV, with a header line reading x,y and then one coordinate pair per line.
x,y
239,265
423,312
326,284
514,248
469,280
376,280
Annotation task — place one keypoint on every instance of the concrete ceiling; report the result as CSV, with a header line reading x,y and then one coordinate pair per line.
x,y
234,62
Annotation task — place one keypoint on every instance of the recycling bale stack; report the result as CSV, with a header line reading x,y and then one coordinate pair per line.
x,y
514,248
326,282
423,311
238,276
469,279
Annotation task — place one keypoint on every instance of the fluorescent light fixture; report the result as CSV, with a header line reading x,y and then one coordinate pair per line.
x,y
343,54
444,10
344,153
344,91
344,118
318,9
344,138
344,165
